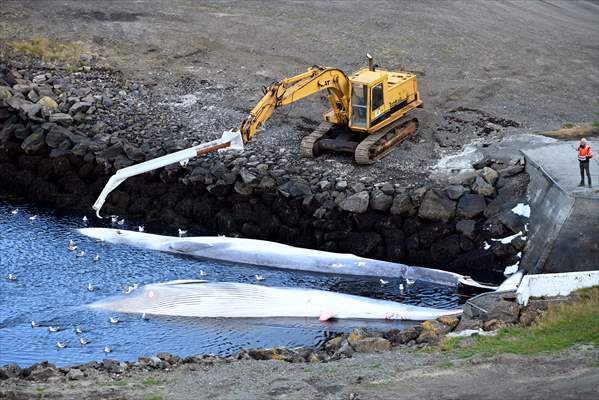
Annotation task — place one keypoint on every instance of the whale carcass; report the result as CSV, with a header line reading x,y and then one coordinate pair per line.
x,y
197,298
276,255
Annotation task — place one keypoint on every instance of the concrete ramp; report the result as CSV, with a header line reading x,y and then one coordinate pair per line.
x,y
564,220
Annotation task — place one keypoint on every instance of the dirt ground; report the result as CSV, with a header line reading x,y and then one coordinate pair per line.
x,y
396,374
529,62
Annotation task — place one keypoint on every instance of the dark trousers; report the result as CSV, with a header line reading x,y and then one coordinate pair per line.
x,y
584,166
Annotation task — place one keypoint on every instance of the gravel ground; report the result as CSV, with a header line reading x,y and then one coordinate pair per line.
x,y
533,63
396,374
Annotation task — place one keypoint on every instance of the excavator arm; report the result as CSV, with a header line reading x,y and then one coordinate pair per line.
x,y
296,88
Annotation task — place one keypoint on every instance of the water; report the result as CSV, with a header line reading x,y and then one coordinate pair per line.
x,y
51,288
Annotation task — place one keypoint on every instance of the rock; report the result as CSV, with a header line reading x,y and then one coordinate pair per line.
x,y
510,170
436,327
57,135
356,203
106,101
341,186
402,205
471,206
388,189
169,358
243,189
380,201
344,351
10,370
512,221
247,177
22,88
372,345
43,371
267,183
332,345
493,324
295,188
436,206
528,316
61,118
48,102
5,92
357,334
80,106
454,192
34,142
403,336
489,175
482,187
506,311
467,228
449,320
133,152
418,195
75,374
445,250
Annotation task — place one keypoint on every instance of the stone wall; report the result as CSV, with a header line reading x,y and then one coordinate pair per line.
x,y
48,154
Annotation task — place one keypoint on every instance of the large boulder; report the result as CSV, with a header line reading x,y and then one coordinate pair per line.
x,y
48,102
57,135
482,187
402,205
436,206
471,206
34,142
372,345
467,228
489,175
380,201
356,203
295,188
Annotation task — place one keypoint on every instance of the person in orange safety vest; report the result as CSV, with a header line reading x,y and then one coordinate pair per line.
x,y
584,159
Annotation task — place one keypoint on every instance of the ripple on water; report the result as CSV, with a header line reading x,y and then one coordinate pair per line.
x,y
51,288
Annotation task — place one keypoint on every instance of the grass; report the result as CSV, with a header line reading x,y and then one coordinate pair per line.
x,y
562,326
150,381
48,50
153,397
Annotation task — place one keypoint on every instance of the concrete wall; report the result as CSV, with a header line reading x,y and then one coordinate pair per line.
x,y
551,285
564,226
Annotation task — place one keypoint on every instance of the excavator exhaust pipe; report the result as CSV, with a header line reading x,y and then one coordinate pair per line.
x,y
370,62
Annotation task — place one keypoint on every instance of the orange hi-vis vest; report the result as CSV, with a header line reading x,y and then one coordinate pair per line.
x,y
585,153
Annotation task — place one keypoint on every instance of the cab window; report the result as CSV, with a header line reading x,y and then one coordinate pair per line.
x,y
359,104
377,96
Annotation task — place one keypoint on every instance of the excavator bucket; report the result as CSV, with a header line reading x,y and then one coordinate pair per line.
x,y
230,140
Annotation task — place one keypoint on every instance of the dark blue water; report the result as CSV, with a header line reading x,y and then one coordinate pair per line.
x,y
51,288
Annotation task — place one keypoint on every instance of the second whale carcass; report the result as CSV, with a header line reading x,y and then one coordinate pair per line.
x,y
198,298
276,255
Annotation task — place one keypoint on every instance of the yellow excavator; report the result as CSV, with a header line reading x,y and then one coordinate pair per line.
x,y
367,118
366,115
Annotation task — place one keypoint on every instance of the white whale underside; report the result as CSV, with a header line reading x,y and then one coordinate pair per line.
x,y
276,255
196,298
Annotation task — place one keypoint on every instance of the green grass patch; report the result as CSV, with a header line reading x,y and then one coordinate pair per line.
x,y
151,381
562,326
40,389
48,50
153,397
375,365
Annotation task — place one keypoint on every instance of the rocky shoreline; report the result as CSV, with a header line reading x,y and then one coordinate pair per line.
x,y
59,144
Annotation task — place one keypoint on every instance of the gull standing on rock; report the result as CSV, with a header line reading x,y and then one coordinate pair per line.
x,y
140,228
182,233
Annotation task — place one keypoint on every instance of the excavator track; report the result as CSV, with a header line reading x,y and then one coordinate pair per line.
x,y
308,142
377,145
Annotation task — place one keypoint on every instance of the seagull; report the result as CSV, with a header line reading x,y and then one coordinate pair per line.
x,y
144,317
182,232
91,288
72,246
97,257
383,282
203,273
128,289
15,211
114,320
12,277
34,324
410,281
401,287
121,221
53,328
78,330
140,228
61,345
84,218
84,341
114,218
33,218
259,277
81,253
107,349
